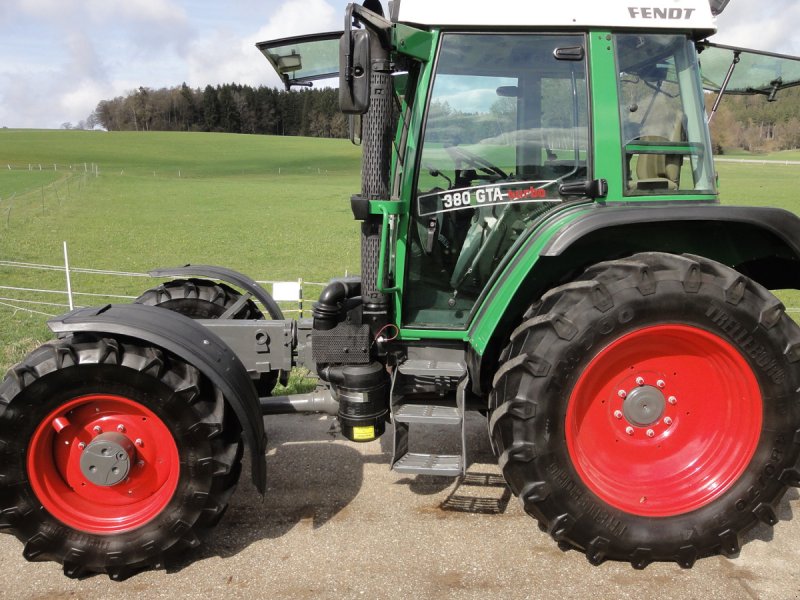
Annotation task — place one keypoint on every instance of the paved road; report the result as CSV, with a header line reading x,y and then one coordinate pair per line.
x,y
337,523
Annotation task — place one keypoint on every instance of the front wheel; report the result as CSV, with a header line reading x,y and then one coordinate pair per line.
x,y
114,456
648,411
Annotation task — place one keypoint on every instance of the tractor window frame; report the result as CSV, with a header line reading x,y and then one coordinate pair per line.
x,y
584,138
674,146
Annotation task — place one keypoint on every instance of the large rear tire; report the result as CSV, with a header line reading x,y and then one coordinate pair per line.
x,y
205,299
114,456
649,410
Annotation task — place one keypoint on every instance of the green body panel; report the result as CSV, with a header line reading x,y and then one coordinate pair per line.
x,y
489,314
604,100
412,42
406,185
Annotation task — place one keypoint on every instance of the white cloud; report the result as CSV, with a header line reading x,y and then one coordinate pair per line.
x,y
153,11
760,25
223,56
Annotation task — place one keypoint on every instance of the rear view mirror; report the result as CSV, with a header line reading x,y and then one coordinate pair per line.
x,y
354,72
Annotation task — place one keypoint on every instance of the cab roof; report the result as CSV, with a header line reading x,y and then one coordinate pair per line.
x,y
612,14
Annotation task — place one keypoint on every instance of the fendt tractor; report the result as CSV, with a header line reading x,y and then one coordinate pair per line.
x,y
542,243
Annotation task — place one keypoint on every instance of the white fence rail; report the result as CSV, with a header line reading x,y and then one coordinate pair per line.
x,y
290,295
37,300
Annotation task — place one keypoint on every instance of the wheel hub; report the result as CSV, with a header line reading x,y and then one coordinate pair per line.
x,y
106,461
103,463
664,420
644,406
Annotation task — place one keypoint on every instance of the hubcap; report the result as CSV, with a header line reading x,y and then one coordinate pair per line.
x,y
664,420
107,460
644,406
103,464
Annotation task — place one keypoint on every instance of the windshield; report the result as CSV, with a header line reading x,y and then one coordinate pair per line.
x,y
507,124
753,72
300,60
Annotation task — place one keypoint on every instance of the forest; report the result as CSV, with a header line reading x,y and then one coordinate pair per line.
x,y
228,108
748,123
751,123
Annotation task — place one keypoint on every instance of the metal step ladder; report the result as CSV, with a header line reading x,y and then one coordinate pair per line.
x,y
404,415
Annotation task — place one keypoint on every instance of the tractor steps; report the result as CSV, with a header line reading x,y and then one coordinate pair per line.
x,y
444,417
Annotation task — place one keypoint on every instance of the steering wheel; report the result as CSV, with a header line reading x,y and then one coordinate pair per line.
x,y
478,163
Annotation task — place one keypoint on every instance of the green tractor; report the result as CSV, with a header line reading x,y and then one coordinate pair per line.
x,y
542,243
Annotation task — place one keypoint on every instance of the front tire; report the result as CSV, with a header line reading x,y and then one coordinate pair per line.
x,y
649,410
114,456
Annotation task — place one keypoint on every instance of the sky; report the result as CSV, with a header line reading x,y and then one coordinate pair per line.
x,y
59,58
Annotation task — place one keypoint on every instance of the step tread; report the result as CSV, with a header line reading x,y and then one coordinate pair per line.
x,y
429,464
433,367
427,413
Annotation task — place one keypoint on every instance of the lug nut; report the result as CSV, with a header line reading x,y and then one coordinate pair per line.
x,y
651,433
629,430
97,429
667,421
640,381
139,442
661,383
121,428
82,445
617,414
672,400
622,394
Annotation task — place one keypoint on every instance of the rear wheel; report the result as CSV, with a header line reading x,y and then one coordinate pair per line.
x,y
115,456
205,299
200,299
648,411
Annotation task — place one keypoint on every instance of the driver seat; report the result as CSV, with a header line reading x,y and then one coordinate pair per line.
x,y
659,171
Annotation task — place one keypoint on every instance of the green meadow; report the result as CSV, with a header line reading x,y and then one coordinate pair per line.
x,y
274,208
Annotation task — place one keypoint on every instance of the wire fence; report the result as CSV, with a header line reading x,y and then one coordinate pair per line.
x,y
45,301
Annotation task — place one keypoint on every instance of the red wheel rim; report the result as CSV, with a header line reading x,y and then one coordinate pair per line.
x,y
55,474
664,420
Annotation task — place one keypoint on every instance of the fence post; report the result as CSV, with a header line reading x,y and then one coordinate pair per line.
x,y
69,280
300,297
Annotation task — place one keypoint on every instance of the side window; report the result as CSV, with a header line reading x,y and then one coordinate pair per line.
x,y
507,124
663,116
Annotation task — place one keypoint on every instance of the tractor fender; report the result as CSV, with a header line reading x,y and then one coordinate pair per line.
x,y
194,344
781,223
227,276
762,243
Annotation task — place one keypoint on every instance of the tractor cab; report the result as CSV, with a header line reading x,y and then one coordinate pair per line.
x,y
501,123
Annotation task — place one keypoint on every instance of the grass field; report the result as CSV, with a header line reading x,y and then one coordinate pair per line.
x,y
772,156
274,208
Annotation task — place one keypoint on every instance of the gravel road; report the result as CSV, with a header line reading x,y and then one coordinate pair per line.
x,y
337,523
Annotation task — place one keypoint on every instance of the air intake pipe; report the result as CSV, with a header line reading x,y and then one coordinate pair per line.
x,y
332,305
376,139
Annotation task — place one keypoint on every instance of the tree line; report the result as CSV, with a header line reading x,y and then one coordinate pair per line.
x,y
228,108
742,122
753,124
